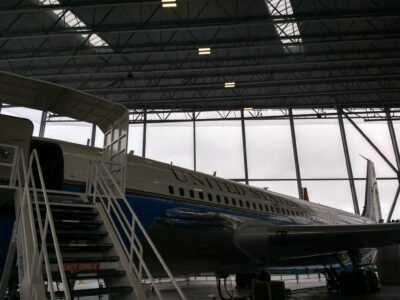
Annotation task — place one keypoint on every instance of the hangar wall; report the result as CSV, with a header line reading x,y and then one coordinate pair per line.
x,y
213,142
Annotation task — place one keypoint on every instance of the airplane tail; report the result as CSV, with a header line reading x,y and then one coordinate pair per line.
x,y
372,206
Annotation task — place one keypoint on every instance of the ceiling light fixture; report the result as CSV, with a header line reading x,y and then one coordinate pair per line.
x,y
205,51
168,3
247,108
230,84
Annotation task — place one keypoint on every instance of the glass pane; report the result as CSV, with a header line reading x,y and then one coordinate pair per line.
x,y
135,139
22,112
396,125
171,142
378,132
320,149
283,187
269,149
331,193
220,148
99,141
74,132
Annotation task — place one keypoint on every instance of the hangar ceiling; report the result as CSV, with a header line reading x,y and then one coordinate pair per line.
x,y
278,53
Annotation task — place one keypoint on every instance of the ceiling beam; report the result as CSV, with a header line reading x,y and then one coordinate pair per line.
x,y
188,47
214,58
112,75
245,84
186,25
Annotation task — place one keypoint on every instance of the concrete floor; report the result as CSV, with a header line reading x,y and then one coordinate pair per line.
x,y
307,289
386,293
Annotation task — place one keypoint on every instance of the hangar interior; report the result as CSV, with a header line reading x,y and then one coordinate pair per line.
x,y
277,94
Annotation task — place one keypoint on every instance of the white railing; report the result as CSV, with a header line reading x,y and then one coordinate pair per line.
x,y
127,225
32,256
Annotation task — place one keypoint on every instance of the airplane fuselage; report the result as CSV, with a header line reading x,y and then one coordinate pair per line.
x,y
192,217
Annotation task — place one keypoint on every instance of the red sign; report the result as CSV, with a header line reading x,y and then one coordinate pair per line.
x,y
85,266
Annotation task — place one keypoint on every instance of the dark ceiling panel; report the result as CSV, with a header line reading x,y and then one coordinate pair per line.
x,y
346,53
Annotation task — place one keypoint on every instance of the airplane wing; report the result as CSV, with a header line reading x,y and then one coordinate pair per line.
x,y
259,241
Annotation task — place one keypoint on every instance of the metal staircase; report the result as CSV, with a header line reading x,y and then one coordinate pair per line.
x,y
87,250
63,238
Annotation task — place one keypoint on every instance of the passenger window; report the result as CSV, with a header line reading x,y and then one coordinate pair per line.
x,y
297,213
277,210
266,207
240,202
234,201
181,192
247,204
272,209
218,199
191,193
210,197
261,207
201,195
254,206
226,200
171,189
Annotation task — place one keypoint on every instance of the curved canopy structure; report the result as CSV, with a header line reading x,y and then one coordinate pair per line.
x,y
62,100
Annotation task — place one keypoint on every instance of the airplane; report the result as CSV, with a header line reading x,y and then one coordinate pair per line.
x,y
203,223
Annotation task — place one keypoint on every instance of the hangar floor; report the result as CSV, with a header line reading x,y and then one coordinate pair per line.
x,y
307,289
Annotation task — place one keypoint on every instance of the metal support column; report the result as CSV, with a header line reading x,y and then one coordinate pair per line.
x,y
296,157
43,124
93,138
194,142
348,162
397,155
144,133
246,170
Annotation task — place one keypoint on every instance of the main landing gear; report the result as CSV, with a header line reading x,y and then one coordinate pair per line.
x,y
361,279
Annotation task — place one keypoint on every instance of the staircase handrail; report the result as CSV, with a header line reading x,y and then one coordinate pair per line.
x,y
112,194
24,181
44,229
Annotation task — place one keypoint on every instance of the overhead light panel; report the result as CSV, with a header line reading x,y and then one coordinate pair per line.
x,y
168,3
205,51
230,84
248,109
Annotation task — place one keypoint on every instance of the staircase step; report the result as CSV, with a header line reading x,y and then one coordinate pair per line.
x,y
53,260
77,223
80,234
64,198
91,274
99,291
72,247
75,213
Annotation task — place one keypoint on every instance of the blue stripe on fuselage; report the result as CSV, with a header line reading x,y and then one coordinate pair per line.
x,y
149,208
